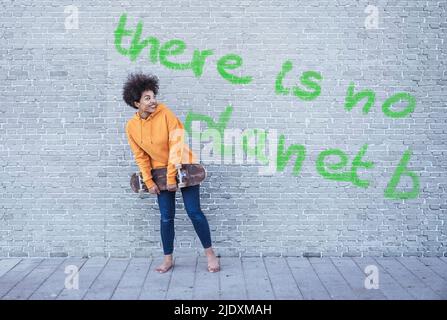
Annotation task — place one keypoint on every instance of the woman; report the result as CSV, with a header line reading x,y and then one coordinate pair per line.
x,y
150,133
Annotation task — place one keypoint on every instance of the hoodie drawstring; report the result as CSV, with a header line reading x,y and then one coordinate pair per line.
x,y
141,131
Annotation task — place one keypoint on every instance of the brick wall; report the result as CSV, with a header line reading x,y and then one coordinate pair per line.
x,y
65,163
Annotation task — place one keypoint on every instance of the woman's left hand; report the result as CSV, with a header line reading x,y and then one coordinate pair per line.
x,y
172,187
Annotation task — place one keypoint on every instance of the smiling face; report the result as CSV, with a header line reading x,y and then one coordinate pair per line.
x,y
147,103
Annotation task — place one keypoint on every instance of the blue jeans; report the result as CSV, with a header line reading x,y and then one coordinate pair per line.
x,y
191,199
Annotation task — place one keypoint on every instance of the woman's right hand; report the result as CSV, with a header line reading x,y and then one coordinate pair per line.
x,y
154,190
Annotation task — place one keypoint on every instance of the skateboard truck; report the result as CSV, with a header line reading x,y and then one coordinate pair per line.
x,y
142,190
180,175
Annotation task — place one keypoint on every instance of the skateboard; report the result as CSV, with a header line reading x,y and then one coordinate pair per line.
x,y
187,175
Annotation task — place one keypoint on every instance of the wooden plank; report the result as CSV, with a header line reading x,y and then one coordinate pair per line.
x,y
104,285
25,287
256,279
87,274
426,275
387,285
7,264
355,277
182,280
281,278
131,283
10,279
437,265
307,280
406,279
206,286
232,283
54,285
334,282
156,284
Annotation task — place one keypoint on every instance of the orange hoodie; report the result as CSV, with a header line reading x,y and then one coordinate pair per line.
x,y
157,142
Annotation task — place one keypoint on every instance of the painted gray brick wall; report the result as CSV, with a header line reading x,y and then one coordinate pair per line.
x,y
65,163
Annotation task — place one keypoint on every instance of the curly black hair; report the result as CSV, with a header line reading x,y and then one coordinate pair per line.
x,y
136,84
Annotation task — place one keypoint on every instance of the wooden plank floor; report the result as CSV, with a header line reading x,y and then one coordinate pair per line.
x,y
247,278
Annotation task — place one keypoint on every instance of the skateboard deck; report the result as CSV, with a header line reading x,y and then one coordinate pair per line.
x,y
187,175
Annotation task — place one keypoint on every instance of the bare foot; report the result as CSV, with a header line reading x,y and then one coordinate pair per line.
x,y
213,263
164,267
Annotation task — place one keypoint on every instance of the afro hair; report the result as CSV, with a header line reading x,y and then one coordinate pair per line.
x,y
136,84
